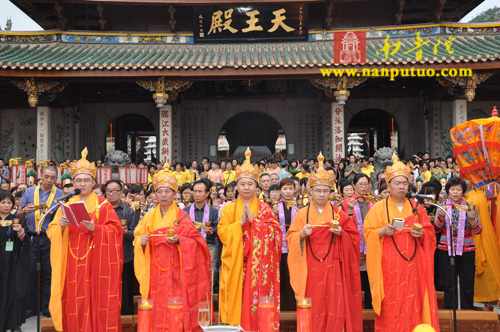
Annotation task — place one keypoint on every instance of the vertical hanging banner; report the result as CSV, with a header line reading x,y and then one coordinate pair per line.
x,y
349,47
165,134
338,133
103,175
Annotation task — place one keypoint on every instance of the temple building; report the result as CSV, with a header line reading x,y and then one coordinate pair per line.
x,y
184,79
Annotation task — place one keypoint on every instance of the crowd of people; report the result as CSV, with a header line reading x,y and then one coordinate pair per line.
x,y
286,229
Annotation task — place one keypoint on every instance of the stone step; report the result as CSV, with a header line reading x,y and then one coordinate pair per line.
x,y
467,320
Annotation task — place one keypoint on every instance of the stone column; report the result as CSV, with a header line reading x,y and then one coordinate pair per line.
x,y
165,141
459,109
43,133
338,131
435,130
69,133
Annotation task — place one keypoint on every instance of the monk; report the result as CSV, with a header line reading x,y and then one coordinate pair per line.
x,y
487,279
171,265
400,264
87,261
252,238
324,261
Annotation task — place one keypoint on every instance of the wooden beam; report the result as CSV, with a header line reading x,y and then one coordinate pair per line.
x,y
60,14
439,11
102,21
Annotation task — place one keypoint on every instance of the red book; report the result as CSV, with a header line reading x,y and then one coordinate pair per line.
x,y
75,212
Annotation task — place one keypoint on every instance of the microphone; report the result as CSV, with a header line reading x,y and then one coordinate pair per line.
x,y
418,196
68,195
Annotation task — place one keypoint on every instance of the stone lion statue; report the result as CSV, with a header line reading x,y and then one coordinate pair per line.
x,y
116,159
381,159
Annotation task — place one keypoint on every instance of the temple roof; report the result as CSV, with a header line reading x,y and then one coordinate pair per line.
x,y
99,54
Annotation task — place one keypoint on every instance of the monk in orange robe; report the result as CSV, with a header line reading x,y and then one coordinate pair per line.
x,y
487,280
87,261
400,263
251,235
324,261
169,266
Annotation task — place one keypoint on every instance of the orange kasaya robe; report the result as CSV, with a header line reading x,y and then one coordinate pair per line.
x,y
250,263
167,270
487,280
403,293
333,283
86,290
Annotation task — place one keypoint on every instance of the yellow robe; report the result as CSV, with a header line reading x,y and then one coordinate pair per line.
x,y
231,279
487,281
142,262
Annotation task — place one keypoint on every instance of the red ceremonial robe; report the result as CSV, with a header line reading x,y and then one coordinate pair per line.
x,y
250,263
166,270
403,293
86,291
332,279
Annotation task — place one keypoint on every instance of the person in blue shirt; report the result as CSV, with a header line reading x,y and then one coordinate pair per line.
x,y
46,192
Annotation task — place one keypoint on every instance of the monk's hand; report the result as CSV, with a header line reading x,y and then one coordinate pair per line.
x,y
387,230
306,231
125,230
63,221
209,230
249,213
337,202
276,209
417,233
337,230
88,224
173,240
144,239
243,217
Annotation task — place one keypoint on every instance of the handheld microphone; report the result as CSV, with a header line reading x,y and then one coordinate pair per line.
x,y
68,195
418,196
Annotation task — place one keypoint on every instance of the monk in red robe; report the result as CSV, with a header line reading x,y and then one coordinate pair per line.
x,y
400,262
324,259
167,265
87,261
251,235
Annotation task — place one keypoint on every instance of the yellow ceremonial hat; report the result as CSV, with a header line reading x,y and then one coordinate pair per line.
x,y
322,176
397,168
247,170
83,166
165,178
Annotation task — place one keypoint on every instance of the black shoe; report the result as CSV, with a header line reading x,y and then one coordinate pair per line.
x,y
47,314
29,314
17,329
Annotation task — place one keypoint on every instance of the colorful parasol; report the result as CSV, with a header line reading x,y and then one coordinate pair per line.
x,y
476,146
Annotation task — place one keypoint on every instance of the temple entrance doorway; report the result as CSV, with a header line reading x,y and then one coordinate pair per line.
x,y
259,131
133,134
370,130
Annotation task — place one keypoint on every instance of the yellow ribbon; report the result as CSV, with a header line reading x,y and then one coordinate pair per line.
x,y
38,213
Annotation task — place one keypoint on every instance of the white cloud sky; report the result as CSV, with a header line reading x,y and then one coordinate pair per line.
x,y
21,21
